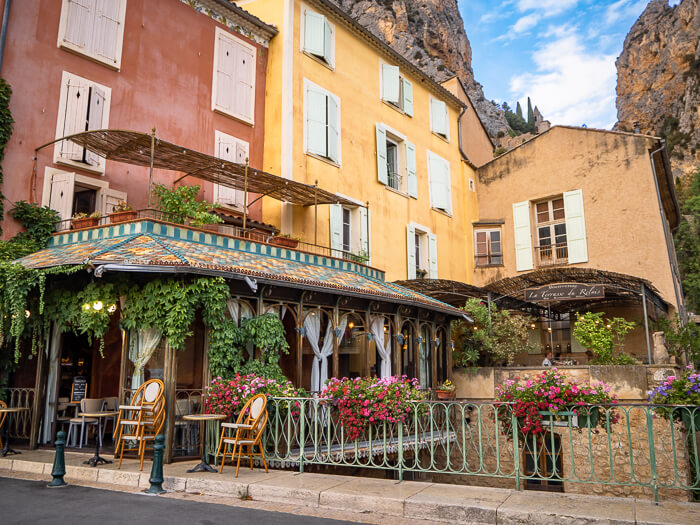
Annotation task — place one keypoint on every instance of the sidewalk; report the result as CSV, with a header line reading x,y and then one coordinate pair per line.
x,y
408,500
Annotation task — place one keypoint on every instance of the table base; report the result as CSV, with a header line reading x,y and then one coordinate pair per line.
x,y
96,460
202,467
7,450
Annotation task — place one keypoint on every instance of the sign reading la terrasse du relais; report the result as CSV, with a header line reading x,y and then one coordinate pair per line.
x,y
565,292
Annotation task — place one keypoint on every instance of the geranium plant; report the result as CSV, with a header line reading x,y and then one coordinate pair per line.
x,y
364,401
533,400
683,389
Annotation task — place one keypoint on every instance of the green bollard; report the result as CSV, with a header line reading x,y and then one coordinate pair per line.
x,y
156,478
59,462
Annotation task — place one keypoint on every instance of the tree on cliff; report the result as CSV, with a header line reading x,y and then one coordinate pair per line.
x,y
688,241
519,110
530,117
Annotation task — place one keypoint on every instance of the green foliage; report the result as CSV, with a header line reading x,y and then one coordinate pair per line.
x,y
680,339
39,223
490,340
600,336
518,110
516,121
687,241
530,115
500,150
674,136
6,123
181,204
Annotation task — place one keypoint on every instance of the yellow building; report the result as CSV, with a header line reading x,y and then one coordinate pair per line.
x,y
345,111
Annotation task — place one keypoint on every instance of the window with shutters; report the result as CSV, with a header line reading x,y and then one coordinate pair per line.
x,y
93,28
440,183
487,247
322,123
347,229
421,249
550,224
318,37
349,232
396,90
233,87
396,161
83,106
439,118
232,149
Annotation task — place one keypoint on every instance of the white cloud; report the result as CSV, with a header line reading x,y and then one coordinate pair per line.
x,y
526,22
547,7
623,9
571,84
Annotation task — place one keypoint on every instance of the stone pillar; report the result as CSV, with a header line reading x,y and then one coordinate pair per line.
x,y
660,352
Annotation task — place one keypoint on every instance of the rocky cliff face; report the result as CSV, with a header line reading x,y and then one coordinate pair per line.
x,y
431,34
658,84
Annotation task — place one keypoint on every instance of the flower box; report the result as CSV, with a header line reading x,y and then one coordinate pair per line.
x,y
446,394
287,242
690,415
85,222
585,417
122,216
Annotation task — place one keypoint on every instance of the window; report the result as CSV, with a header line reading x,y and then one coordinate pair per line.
x,y
83,106
94,28
317,38
542,459
396,89
233,91
440,185
421,249
396,162
487,247
551,232
439,123
349,232
472,186
322,116
235,150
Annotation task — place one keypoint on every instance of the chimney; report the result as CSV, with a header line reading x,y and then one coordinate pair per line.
x,y
635,125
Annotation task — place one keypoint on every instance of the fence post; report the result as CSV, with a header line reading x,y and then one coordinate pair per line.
x,y
156,478
400,451
302,437
59,462
516,447
652,454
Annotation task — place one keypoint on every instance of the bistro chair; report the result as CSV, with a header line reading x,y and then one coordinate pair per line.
x,y
111,404
62,418
3,416
140,422
249,427
86,405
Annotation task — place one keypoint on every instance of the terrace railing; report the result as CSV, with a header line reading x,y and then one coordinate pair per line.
x,y
19,423
632,448
552,254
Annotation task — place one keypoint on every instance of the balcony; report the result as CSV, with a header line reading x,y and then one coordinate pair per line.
x,y
551,255
395,180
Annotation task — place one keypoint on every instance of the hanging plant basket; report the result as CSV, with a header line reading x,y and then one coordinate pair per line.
x,y
690,415
122,216
446,394
287,242
86,222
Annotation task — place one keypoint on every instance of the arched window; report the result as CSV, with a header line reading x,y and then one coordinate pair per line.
x,y
442,347
425,357
317,348
351,350
407,341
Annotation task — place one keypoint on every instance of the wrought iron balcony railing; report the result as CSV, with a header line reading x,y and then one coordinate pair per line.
x,y
551,254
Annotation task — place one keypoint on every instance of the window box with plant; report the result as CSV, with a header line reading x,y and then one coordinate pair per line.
x,y
285,240
446,390
683,390
122,212
80,221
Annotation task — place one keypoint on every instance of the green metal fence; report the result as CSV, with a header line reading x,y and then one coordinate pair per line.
x,y
633,445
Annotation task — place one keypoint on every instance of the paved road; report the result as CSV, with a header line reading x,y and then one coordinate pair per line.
x,y
31,502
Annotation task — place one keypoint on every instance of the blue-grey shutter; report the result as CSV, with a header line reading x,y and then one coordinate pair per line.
x,y
390,83
432,256
336,229
575,227
314,33
333,126
382,169
316,111
408,97
327,41
411,251
411,174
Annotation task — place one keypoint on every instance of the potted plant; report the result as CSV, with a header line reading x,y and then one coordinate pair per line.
x,y
285,240
122,212
446,390
83,220
684,390
421,274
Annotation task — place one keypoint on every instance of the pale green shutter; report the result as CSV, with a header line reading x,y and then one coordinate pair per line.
x,y
446,186
316,112
432,256
333,146
438,116
314,31
390,83
327,40
439,183
411,175
411,251
336,229
364,231
575,227
408,97
523,236
382,169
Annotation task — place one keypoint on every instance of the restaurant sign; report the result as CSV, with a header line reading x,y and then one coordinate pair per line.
x,y
565,292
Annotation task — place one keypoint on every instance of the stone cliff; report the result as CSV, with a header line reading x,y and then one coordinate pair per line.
x,y
658,85
431,34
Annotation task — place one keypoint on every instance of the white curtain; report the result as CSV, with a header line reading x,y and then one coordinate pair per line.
x,y
377,327
53,346
312,330
234,309
144,342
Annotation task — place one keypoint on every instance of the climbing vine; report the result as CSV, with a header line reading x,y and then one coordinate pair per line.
x,y
6,123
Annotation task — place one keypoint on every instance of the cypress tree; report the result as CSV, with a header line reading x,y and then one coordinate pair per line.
x,y
530,115
519,110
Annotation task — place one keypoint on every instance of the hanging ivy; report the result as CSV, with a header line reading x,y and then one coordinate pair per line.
x,y
6,123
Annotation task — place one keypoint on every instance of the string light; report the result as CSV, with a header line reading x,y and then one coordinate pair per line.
x,y
97,306
112,308
27,313
351,325
86,307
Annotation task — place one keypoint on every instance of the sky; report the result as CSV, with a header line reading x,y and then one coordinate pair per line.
x,y
560,53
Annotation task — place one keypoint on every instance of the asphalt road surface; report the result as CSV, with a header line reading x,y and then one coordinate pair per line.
x,y
31,502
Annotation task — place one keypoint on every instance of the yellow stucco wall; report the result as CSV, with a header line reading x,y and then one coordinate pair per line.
x,y
356,81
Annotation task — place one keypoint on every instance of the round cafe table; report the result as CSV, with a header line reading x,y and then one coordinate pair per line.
x,y
97,459
10,410
204,466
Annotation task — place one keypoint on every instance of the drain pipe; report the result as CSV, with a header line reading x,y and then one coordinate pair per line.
x,y
3,30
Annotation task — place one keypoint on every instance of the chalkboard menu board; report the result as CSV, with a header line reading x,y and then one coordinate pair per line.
x,y
79,389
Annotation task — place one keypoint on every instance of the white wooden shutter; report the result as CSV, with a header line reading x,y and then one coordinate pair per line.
x,y
106,28
95,116
364,232
523,236
110,198
314,33
75,117
242,153
327,41
243,84
336,229
411,175
411,251
333,126
80,23
316,111
408,97
575,227
225,73
60,196
390,83
438,116
432,256
439,183
382,168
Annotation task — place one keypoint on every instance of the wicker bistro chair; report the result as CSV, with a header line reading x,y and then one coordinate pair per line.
x,y
249,427
3,416
140,422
